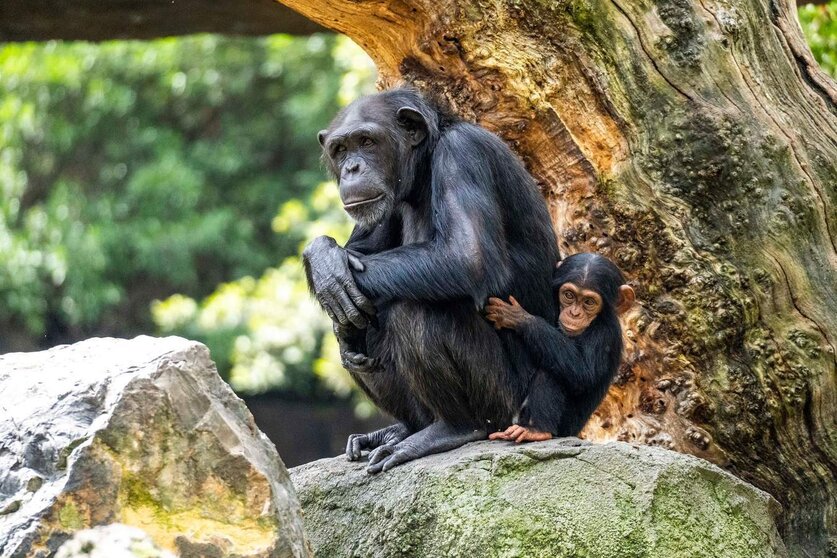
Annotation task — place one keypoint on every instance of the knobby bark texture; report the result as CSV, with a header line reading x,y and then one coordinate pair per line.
x,y
695,143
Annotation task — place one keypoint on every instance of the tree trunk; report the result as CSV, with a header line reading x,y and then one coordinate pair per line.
x,y
695,143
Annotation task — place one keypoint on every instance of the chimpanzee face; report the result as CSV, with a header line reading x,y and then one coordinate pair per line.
x,y
368,148
579,307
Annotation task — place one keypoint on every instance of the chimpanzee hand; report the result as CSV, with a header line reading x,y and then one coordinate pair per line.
x,y
331,280
385,437
503,315
351,353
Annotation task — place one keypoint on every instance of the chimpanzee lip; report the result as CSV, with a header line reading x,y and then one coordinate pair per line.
x,y
362,202
575,328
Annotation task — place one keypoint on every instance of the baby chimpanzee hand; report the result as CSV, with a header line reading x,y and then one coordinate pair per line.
x,y
506,315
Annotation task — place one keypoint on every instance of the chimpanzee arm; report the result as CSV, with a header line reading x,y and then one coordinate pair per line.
x,y
467,255
578,366
381,237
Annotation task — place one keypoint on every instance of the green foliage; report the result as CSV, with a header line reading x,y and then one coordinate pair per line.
x,y
819,23
268,333
132,170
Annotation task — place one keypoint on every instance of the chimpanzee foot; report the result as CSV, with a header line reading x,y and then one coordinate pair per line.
x,y
519,434
436,438
388,436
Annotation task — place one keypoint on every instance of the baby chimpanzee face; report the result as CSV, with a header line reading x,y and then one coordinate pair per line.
x,y
579,307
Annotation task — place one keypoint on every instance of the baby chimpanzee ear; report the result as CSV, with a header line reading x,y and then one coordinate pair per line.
x,y
626,299
415,124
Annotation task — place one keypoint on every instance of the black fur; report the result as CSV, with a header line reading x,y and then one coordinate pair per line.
x,y
460,219
576,371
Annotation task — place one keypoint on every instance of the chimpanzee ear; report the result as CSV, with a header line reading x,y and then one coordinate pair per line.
x,y
321,137
626,299
415,124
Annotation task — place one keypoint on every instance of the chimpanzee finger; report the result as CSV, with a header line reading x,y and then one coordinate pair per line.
x,y
378,458
351,357
513,301
354,446
365,368
355,262
330,313
402,455
514,431
352,300
358,445
338,314
360,299
327,304
347,306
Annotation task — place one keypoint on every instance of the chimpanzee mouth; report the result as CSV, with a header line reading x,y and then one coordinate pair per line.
x,y
573,328
358,203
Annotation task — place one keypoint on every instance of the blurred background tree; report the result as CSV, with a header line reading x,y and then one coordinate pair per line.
x,y
819,23
168,186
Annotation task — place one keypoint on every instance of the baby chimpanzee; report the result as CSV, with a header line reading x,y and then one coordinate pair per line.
x,y
578,357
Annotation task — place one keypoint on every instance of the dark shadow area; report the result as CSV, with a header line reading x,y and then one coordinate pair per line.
x,y
304,431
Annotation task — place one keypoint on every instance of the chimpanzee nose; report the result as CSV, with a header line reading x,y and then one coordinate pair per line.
x,y
352,167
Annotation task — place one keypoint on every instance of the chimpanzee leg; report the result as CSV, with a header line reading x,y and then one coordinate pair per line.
x,y
378,378
455,363
456,366
550,407
544,406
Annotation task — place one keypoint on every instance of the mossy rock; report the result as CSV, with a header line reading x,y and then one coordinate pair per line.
x,y
563,498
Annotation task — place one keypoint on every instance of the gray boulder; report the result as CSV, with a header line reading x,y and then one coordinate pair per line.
x,y
111,541
141,432
562,498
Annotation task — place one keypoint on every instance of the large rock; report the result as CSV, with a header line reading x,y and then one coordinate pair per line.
x,y
111,541
141,432
552,499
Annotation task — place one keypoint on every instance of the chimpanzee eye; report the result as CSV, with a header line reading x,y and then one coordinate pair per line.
x,y
338,149
569,295
589,302
366,142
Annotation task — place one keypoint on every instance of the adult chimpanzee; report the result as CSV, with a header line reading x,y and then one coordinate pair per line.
x,y
445,214
578,359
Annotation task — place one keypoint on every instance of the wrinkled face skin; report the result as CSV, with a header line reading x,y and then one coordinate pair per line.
x,y
364,147
579,307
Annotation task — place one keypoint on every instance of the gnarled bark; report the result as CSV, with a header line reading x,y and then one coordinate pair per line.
x,y
695,142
